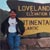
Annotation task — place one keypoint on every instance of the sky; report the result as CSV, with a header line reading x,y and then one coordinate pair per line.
x,y
4,6
39,1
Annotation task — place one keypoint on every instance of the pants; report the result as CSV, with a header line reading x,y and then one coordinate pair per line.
x,y
13,41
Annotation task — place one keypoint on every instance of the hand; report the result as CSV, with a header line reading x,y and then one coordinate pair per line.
x,y
19,35
4,38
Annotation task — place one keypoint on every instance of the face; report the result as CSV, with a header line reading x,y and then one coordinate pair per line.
x,y
12,14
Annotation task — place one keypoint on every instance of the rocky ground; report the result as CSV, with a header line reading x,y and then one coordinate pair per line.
x,y
30,44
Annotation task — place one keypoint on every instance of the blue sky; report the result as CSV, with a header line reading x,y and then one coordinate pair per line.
x,y
4,6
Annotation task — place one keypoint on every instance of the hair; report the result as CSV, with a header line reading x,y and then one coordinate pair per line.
x,y
12,10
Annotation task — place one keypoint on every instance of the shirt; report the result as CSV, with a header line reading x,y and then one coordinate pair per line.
x,y
12,23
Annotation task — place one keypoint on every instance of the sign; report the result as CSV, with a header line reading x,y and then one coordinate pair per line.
x,y
36,17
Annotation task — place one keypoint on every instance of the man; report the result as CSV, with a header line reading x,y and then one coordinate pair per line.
x,y
13,27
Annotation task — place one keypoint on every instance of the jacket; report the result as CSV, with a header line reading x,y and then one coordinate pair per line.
x,y
19,27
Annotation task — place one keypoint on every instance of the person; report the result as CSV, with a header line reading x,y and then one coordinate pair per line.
x,y
13,28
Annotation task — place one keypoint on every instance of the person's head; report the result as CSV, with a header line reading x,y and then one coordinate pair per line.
x,y
12,13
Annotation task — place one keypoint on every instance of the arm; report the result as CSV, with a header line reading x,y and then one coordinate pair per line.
x,y
2,28
21,28
3,25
